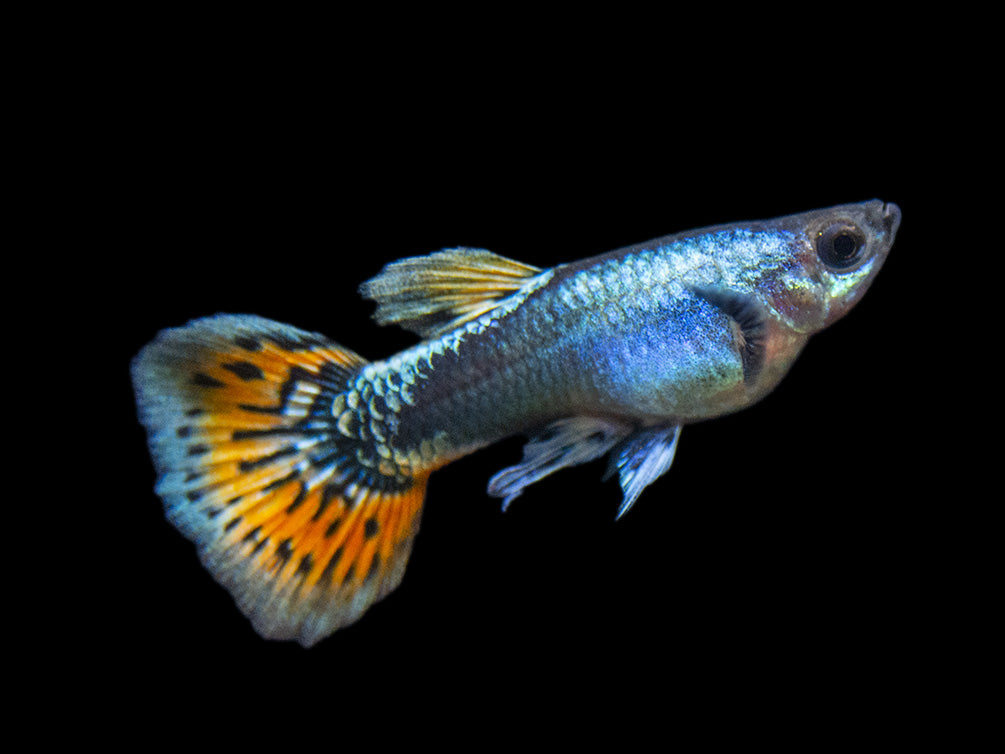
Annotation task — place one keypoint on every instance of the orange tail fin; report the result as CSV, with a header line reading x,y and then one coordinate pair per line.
x,y
254,469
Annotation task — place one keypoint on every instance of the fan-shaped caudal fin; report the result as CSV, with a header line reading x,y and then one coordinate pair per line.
x,y
254,469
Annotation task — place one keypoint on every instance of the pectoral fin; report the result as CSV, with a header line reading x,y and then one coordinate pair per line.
x,y
641,459
748,318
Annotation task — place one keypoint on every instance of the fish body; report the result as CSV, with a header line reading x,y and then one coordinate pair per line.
x,y
299,469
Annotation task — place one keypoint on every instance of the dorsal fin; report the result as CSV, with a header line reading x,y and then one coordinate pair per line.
x,y
434,294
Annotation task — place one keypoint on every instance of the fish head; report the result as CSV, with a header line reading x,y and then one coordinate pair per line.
x,y
835,254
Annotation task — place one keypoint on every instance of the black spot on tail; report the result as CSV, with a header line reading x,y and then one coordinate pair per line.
x,y
333,527
303,342
256,463
204,380
306,564
248,343
296,374
328,574
245,370
299,499
329,493
284,550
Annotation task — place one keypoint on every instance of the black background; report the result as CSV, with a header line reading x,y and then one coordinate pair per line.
x,y
787,542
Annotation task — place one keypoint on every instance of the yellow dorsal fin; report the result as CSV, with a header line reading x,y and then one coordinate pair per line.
x,y
434,294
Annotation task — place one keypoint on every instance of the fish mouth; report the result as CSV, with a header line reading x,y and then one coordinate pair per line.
x,y
891,218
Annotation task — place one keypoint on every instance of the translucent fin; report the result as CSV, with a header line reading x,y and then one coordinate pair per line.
x,y
435,294
254,469
641,459
748,318
567,442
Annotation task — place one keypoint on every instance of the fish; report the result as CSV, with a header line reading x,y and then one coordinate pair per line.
x,y
298,468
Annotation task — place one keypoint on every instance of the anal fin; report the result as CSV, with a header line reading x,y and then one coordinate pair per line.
x,y
641,459
567,442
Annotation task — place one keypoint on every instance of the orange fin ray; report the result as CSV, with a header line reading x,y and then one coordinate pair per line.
x,y
253,469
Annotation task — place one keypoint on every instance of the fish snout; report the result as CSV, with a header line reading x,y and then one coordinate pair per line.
x,y
891,218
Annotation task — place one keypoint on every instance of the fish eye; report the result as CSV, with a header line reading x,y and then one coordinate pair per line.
x,y
840,246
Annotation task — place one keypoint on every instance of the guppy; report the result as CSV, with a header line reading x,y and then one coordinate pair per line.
x,y
299,469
